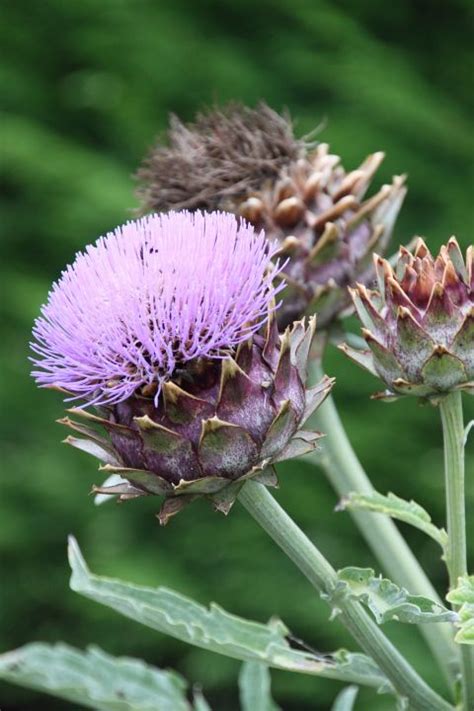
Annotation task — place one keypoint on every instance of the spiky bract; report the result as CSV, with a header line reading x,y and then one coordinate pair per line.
x,y
326,229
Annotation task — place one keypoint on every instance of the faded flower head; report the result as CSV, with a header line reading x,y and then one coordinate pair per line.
x,y
166,327
217,159
249,162
419,322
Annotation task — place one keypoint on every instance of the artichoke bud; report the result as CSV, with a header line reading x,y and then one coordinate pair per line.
x,y
419,322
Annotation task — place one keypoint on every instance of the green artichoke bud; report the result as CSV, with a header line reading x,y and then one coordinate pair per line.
x,y
249,162
216,424
419,322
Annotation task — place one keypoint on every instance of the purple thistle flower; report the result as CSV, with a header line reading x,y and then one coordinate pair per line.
x,y
167,324
149,297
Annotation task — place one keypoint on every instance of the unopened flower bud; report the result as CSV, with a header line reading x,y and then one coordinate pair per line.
x,y
419,322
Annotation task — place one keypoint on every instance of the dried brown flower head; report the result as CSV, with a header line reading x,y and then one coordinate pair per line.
x,y
248,161
225,154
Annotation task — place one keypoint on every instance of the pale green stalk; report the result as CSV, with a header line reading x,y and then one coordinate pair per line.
x,y
276,522
345,472
456,557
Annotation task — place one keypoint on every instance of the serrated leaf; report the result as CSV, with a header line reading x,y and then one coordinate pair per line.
x,y
254,688
94,679
345,700
216,630
387,601
463,596
400,509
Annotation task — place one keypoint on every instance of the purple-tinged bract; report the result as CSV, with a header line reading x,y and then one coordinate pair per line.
x,y
148,298
166,326
419,322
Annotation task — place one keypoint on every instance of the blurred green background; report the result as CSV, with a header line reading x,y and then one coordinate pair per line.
x,y
86,87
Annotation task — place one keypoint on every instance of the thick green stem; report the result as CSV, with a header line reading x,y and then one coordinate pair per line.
x,y
456,558
276,522
346,475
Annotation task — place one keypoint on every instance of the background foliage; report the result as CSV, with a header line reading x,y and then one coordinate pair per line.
x,y
86,87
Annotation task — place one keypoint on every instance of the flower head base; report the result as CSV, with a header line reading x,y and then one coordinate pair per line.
x,y
167,327
249,162
147,299
419,322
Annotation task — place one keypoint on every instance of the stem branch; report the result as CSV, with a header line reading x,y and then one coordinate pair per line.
x,y
346,475
276,522
456,558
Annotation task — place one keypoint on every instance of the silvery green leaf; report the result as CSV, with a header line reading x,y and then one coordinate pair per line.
x,y
216,630
94,679
463,596
345,700
391,505
254,688
386,600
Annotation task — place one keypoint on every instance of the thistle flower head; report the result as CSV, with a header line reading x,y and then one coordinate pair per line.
x,y
419,322
147,299
248,161
166,326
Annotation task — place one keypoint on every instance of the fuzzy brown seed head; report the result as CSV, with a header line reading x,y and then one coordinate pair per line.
x,y
419,324
217,160
248,161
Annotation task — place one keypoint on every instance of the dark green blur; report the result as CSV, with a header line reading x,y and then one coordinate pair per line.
x,y
87,85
